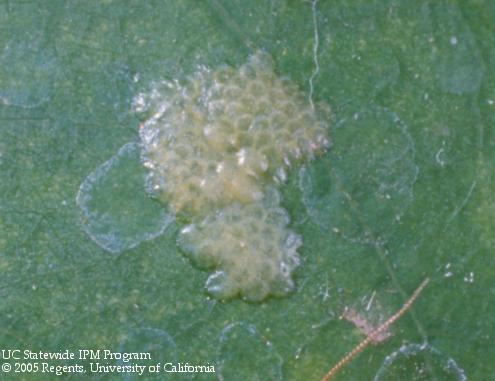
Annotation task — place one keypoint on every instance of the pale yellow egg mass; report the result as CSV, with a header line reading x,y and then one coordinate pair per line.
x,y
249,246
214,146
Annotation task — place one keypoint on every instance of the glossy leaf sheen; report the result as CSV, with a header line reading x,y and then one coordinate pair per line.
x,y
405,191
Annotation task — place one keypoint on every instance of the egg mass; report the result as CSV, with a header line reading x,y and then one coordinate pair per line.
x,y
215,145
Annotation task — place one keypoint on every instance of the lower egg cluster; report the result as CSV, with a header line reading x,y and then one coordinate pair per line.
x,y
249,245
215,145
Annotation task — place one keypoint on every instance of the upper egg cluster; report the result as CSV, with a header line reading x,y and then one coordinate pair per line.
x,y
222,135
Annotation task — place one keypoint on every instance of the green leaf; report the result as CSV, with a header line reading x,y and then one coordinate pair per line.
x,y
404,193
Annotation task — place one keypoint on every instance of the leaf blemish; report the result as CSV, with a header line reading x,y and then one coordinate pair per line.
x,y
379,333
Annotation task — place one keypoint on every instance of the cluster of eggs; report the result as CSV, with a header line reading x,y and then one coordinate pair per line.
x,y
249,246
215,145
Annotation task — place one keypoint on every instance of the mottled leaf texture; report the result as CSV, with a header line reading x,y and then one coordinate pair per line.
x,y
89,257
